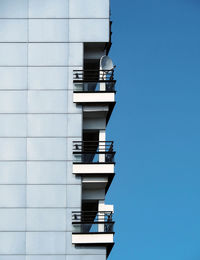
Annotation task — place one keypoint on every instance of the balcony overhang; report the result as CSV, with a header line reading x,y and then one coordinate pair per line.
x,y
94,97
98,110
93,168
94,239
97,182
95,173
94,182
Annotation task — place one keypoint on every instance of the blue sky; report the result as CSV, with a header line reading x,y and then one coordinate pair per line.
x,y
156,128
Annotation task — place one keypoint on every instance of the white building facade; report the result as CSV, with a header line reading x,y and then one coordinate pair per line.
x,y
55,102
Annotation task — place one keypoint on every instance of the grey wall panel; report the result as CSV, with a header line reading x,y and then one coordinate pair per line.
x,y
12,149
89,30
76,54
12,243
86,257
13,125
48,9
47,78
13,54
74,196
54,54
12,220
74,122
49,125
12,257
89,8
48,54
47,102
48,30
13,102
12,30
13,9
46,172
12,196
45,242
12,172
44,196
45,257
13,78
46,219
46,149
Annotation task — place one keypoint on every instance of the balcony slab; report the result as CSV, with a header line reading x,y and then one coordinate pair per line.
x,y
93,168
94,97
93,238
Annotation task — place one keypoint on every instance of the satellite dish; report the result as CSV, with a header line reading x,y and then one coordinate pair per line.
x,y
106,63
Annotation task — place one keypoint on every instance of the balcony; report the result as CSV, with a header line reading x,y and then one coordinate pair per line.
x,y
94,88
93,228
93,152
94,159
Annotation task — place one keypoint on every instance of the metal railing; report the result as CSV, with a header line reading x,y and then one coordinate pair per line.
x,y
94,81
93,152
93,221
92,87
93,75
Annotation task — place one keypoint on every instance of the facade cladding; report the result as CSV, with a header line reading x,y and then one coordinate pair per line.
x,y
55,103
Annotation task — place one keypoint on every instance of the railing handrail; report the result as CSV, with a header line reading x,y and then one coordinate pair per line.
x,y
94,141
92,216
96,75
94,70
93,221
93,146
92,212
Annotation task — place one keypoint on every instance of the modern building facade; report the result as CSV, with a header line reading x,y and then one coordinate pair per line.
x,y
56,98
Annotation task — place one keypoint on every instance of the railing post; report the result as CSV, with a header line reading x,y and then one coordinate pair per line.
x,y
77,146
102,145
102,76
101,217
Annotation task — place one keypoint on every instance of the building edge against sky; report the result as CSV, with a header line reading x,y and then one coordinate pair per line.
x,y
57,94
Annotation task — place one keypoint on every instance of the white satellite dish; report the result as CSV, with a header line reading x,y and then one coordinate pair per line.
x,y
106,63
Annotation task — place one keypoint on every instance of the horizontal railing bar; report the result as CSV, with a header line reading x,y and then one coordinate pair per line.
x,y
90,146
93,151
90,151
93,141
90,222
94,70
97,223
92,212
96,75
96,80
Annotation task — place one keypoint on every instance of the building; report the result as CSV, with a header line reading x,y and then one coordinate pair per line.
x,y
55,102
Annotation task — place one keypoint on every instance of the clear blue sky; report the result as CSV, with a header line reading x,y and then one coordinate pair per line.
x,y
156,128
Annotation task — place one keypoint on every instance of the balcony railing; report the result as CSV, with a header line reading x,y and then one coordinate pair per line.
x,y
94,81
93,152
93,75
93,222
